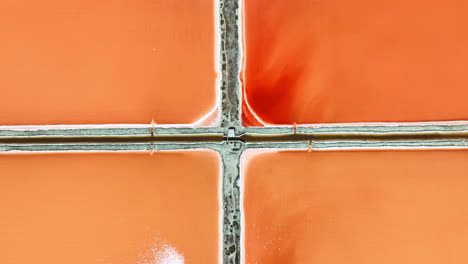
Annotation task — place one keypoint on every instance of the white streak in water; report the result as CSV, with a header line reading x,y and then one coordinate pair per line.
x,y
161,253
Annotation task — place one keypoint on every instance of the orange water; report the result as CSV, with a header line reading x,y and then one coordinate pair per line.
x,y
110,208
338,61
361,207
95,62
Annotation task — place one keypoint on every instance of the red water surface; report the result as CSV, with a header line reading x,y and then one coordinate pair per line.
x,y
106,61
360,207
340,61
110,208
